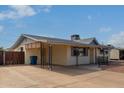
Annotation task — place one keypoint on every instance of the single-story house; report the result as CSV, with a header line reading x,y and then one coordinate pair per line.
x,y
58,51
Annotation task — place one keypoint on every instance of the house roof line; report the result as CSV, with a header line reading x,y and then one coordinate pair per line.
x,y
50,41
29,37
33,38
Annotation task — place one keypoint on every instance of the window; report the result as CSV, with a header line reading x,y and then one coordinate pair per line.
x,y
79,51
74,51
85,51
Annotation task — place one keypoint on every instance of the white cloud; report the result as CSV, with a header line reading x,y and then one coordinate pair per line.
x,y
105,29
15,12
1,28
20,11
117,39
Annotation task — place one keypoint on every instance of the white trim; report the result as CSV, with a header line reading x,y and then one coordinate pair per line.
x,y
34,38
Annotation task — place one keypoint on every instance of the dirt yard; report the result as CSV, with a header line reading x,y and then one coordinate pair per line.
x,y
115,66
23,76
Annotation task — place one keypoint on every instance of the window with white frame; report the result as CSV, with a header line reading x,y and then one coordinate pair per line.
x,y
79,51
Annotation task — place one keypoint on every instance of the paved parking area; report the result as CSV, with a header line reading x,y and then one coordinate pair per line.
x,y
34,77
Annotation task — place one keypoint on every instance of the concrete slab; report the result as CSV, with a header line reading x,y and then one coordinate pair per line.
x,y
34,77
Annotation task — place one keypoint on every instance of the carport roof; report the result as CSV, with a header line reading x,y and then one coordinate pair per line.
x,y
52,40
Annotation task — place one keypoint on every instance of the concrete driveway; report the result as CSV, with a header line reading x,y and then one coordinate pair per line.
x,y
35,77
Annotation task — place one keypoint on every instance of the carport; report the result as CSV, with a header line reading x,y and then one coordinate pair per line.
x,y
43,51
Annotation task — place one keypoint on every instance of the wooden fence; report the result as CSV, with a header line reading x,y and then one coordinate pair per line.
x,y
11,57
1,57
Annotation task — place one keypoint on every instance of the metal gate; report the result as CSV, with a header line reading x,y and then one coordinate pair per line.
x,y
11,57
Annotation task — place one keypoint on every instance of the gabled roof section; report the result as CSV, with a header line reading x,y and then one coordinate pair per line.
x,y
22,37
51,40
19,41
91,41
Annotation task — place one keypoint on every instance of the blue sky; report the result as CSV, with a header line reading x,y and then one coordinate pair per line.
x,y
106,23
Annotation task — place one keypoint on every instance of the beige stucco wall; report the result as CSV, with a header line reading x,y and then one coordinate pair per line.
x,y
98,52
114,54
32,52
60,54
92,55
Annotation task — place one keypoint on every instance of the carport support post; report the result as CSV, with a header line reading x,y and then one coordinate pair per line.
x,y
41,53
77,54
76,60
4,59
95,56
50,57
104,56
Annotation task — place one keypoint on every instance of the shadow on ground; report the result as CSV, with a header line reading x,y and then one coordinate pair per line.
x,y
69,70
